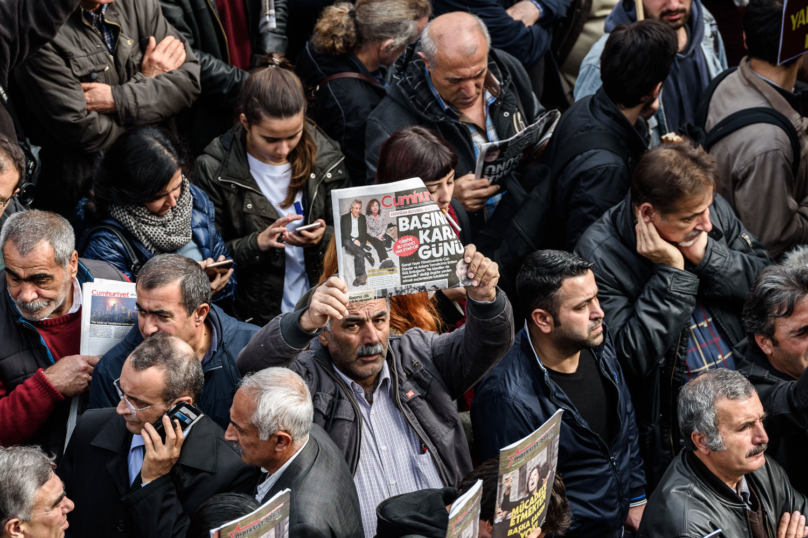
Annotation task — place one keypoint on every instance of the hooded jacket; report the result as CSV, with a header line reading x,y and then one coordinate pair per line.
x,y
692,69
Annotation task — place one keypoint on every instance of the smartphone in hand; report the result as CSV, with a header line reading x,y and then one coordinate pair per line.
x,y
183,413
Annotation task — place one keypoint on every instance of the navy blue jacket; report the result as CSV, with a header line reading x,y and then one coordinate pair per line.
x,y
221,375
518,396
104,245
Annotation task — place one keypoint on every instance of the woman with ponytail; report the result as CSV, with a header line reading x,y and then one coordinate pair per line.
x,y
344,65
268,176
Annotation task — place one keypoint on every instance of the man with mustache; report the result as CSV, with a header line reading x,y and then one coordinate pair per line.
x,y
723,484
40,329
673,265
564,359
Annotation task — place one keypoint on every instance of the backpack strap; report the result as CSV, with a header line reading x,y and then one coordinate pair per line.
x,y
134,262
588,141
704,105
347,74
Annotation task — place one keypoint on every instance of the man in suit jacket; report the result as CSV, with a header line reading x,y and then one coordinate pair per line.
x,y
271,425
354,237
124,479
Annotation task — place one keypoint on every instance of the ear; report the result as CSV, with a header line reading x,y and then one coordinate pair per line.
x,y
386,47
243,119
324,338
489,527
543,320
765,343
421,55
699,439
646,212
13,528
201,313
284,441
184,399
657,90
73,264
16,192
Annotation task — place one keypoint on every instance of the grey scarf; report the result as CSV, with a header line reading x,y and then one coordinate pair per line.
x,y
159,233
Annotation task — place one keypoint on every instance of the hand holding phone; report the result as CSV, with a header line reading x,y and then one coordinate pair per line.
x,y
218,268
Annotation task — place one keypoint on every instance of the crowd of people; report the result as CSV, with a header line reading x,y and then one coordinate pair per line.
x,y
645,271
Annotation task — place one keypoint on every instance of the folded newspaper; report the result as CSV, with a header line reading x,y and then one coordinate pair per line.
x,y
108,313
464,516
270,520
527,469
496,160
393,239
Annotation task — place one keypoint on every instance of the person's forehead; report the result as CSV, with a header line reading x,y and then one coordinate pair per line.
x,y
242,409
163,297
797,319
145,385
578,288
9,178
734,412
41,259
695,204
281,127
367,308
49,493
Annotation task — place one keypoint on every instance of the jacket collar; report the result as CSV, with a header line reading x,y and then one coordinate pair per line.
x,y
748,350
297,468
777,101
602,108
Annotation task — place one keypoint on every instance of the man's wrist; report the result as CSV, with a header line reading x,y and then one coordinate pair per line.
x,y
538,6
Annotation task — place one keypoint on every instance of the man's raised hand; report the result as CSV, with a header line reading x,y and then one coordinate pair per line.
x,y
484,274
330,300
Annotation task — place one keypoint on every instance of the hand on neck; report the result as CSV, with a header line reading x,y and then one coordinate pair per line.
x,y
783,76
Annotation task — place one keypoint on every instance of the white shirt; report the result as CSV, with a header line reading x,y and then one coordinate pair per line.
x,y
76,297
274,184
266,485
354,227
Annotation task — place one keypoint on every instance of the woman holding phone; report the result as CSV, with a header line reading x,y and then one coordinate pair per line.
x,y
270,178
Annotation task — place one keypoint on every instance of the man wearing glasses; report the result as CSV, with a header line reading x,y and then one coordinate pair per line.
x,y
123,476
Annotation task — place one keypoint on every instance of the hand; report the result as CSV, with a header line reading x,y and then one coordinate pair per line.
x,y
525,11
306,238
160,457
473,193
695,252
71,375
792,526
634,517
656,249
535,533
357,243
455,294
269,238
220,280
98,97
330,300
167,56
485,274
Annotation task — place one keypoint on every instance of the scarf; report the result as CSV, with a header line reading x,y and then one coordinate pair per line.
x,y
159,233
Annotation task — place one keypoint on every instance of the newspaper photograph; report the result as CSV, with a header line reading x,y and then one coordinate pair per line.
x,y
464,516
394,240
527,469
107,314
496,160
270,520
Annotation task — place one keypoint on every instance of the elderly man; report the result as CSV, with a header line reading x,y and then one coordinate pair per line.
x,y
173,297
128,479
388,403
673,266
723,484
452,81
33,503
271,426
40,328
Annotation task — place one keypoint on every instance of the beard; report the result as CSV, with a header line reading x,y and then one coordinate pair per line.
x,y
574,342
675,24
40,309
690,239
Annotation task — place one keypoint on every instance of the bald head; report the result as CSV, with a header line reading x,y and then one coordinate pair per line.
x,y
455,36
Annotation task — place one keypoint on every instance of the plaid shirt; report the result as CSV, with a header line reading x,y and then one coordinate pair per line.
x,y
708,346
96,20
392,460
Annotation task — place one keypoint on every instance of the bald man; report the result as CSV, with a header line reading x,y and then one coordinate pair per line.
x,y
453,82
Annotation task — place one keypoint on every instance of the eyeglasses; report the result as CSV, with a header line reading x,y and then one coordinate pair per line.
x,y
132,409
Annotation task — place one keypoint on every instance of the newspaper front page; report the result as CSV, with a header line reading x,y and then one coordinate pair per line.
x,y
464,516
394,240
108,313
270,520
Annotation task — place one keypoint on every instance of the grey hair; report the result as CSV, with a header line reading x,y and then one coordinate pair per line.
x,y
697,399
166,269
282,403
357,202
429,47
797,257
23,472
183,371
27,229
775,294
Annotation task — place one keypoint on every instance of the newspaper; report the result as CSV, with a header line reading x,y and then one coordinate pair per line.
x,y
270,520
527,469
496,160
393,239
464,516
107,314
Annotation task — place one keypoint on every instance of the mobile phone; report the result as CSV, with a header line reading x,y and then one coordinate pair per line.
x,y
218,268
308,227
183,413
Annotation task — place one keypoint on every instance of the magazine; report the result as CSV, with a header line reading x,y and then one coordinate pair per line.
x,y
394,240
527,469
464,516
496,160
270,520
108,313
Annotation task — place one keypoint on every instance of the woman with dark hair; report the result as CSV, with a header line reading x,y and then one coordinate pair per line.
x,y
218,510
378,223
141,204
268,176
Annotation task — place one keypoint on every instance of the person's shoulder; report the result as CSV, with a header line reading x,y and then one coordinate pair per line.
x,y
601,235
92,421
231,326
510,375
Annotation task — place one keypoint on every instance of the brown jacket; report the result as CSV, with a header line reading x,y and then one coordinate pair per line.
x,y
755,163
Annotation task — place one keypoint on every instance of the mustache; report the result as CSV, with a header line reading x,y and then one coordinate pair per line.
x,y
595,324
757,450
367,350
666,12
237,447
32,306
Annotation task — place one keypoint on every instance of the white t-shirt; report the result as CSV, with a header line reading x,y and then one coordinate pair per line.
x,y
354,227
274,184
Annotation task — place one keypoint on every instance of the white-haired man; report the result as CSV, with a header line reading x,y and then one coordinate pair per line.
x,y
271,426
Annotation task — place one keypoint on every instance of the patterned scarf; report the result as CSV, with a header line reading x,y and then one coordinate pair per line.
x,y
159,233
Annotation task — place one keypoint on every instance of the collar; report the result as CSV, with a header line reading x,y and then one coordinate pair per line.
x,y
384,376
214,343
76,297
711,481
137,441
272,478
773,83
92,16
491,91
602,108
770,93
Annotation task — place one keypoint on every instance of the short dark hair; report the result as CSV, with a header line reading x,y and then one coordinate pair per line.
x,y
635,59
672,172
183,371
775,294
217,511
762,22
415,152
165,269
542,275
11,154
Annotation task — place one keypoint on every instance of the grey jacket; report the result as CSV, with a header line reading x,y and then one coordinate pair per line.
x,y
429,370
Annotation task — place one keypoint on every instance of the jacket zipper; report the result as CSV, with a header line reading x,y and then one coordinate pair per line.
x,y
243,186
224,35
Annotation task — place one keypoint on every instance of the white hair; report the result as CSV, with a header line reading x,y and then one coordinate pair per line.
x,y
23,472
282,403
27,229
429,46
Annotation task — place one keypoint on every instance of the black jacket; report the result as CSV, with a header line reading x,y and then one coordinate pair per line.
x,y
785,401
420,513
345,228
341,108
324,502
597,179
648,308
95,472
429,371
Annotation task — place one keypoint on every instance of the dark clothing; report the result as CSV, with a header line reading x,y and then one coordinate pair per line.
x,y
95,472
420,513
649,307
14,205
361,225
596,179
221,375
324,503
32,411
687,504
602,478
430,371
341,107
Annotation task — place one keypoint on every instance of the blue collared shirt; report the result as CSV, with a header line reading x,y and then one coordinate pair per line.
x,y
99,24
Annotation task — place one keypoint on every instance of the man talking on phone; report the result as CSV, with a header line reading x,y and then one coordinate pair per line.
x,y
128,480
